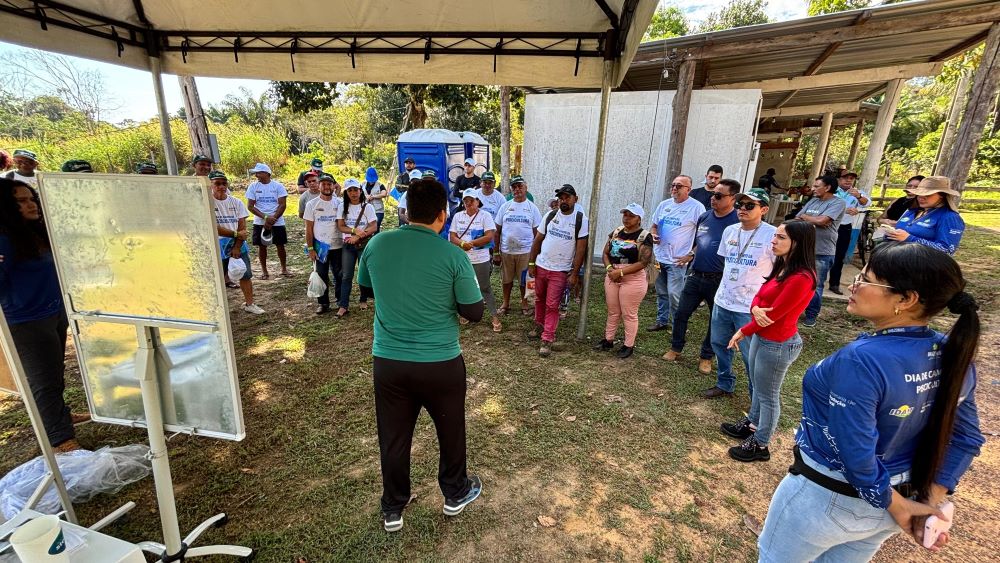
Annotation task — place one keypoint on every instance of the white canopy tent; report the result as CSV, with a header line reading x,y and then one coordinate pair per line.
x,y
556,43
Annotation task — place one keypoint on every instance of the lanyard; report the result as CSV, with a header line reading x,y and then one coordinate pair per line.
x,y
910,331
749,240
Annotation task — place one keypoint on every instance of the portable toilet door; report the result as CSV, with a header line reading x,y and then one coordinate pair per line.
x,y
478,149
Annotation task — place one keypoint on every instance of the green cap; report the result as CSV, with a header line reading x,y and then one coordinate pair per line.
x,y
25,153
144,166
76,166
199,158
316,163
429,174
216,175
517,179
488,177
757,194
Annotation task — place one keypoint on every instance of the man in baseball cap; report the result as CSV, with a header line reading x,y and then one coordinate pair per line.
x,y
266,201
518,179
316,167
202,164
25,163
490,197
149,168
467,180
76,166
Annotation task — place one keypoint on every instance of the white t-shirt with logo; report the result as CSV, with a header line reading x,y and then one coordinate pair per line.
x,y
491,203
473,227
517,219
559,244
676,225
228,213
353,210
324,215
30,180
748,259
266,198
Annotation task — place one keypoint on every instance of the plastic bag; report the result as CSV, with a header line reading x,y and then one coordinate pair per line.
x,y
237,269
316,284
529,287
86,474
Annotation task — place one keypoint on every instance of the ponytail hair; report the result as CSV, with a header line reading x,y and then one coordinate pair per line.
x,y
937,281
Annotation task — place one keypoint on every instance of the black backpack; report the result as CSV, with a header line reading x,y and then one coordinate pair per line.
x,y
552,215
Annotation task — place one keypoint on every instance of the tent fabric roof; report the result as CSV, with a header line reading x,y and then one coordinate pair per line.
x,y
513,42
865,48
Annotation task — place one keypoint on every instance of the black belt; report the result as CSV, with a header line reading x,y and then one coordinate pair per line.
x,y
706,275
799,467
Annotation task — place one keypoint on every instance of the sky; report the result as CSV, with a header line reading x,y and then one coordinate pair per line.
x,y
133,89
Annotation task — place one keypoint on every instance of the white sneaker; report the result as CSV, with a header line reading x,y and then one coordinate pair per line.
x,y
253,308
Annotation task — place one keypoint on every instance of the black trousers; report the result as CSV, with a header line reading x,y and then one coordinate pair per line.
x,y
324,269
696,290
41,345
401,389
843,243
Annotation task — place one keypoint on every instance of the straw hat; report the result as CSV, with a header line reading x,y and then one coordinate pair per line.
x,y
938,184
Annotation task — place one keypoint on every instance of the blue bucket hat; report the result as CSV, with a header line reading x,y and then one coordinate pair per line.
x,y
371,176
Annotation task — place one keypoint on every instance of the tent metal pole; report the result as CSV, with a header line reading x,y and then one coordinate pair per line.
x,y
595,194
161,106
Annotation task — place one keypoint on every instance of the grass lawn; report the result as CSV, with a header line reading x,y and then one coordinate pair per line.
x,y
623,455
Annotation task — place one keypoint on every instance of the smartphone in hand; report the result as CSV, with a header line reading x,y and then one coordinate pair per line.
x,y
934,526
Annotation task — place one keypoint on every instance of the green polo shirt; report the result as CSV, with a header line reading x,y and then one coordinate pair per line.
x,y
418,279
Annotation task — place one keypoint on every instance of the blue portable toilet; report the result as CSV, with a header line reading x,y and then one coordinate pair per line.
x,y
478,149
432,149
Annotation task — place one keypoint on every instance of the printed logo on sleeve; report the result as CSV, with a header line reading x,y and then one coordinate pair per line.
x,y
902,412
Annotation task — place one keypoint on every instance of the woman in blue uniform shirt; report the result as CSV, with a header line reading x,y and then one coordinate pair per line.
x,y
935,222
889,422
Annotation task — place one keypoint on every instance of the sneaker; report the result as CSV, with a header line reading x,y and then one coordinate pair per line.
x,y
253,308
393,521
455,507
716,392
657,327
809,322
625,351
604,345
322,309
545,350
740,430
750,450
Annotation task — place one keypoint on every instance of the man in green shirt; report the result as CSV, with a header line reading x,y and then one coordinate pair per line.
x,y
421,282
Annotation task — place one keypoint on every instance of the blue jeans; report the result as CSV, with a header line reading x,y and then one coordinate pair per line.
x,y
806,522
769,362
697,289
350,257
725,323
669,284
823,264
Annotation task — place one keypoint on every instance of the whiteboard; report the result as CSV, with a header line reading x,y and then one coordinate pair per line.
x,y
145,246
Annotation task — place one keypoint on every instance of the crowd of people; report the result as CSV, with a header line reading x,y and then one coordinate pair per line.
x,y
889,421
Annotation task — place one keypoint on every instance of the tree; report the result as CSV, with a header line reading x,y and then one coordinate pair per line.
x,y
668,21
304,96
819,7
248,109
737,13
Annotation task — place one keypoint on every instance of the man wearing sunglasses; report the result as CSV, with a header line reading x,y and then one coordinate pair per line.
x,y
749,258
673,228
825,211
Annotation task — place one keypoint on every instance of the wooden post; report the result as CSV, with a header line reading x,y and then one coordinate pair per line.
x,y
954,115
821,143
679,122
876,146
977,108
852,157
504,139
197,126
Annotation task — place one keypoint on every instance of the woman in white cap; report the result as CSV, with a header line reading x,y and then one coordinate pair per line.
x,y
935,222
358,223
472,230
627,253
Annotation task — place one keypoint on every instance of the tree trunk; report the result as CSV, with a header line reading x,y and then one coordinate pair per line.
x,y
954,114
416,112
197,126
504,138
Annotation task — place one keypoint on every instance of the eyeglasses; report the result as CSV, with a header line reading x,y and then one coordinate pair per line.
x,y
859,280
677,185
748,205
720,195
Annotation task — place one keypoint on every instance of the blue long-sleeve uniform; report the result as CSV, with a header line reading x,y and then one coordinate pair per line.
x,y
29,289
864,407
939,228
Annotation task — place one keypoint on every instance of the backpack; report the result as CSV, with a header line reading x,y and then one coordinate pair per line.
x,y
552,215
643,234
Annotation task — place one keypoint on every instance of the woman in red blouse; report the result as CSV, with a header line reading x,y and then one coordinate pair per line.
x,y
775,342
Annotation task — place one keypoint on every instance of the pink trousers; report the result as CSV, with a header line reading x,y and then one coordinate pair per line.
x,y
549,288
623,299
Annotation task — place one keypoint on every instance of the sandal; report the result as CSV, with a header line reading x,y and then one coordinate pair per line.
x,y
265,276
232,285
287,275
501,311
497,327
342,313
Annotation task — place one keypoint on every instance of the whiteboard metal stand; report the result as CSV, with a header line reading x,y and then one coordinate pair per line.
x,y
173,547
